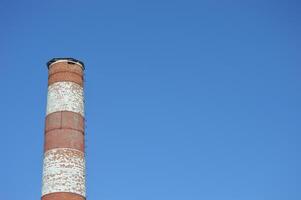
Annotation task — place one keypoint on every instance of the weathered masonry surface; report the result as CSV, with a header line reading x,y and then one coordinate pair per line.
x,y
65,96
64,144
64,171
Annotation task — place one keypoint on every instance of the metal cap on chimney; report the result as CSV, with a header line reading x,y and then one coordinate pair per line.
x,y
68,60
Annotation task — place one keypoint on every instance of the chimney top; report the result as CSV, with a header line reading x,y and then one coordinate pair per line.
x,y
69,60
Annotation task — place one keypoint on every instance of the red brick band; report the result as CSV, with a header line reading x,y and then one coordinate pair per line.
x,y
64,138
64,129
65,76
64,71
65,120
65,66
63,196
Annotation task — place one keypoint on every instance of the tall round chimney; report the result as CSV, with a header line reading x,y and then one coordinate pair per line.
x,y
64,147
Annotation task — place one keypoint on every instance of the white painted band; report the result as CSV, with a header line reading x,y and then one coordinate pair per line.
x,y
64,171
65,96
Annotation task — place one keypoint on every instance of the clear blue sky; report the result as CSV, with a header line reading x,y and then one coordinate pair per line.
x,y
185,100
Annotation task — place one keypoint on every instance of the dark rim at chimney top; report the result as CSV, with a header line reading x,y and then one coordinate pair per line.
x,y
68,60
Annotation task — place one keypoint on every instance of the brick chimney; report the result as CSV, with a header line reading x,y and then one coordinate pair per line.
x,y
64,147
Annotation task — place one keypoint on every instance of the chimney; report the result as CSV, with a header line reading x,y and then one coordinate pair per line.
x,y
64,148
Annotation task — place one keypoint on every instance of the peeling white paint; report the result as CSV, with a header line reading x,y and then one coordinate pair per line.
x,y
65,96
64,171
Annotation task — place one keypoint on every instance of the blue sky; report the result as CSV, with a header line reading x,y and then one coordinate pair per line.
x,y
184,99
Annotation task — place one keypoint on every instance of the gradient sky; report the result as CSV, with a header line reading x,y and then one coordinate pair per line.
x,y
185,100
